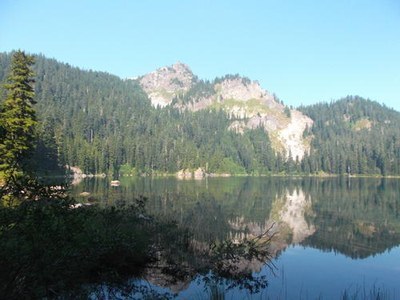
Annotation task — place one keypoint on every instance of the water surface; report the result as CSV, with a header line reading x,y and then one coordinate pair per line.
x,y
333,237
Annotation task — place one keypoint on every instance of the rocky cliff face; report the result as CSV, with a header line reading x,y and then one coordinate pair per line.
x,y
241,90
166,83
243,100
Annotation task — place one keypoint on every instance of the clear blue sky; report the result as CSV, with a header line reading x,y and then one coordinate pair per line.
x,y
304,51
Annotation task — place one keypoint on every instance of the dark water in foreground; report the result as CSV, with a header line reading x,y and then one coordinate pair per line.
x,y
335,237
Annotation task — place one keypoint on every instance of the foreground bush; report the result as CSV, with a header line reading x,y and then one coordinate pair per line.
x,y
46,246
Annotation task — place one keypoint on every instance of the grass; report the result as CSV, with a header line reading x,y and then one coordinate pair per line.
x,y
373,293
358,292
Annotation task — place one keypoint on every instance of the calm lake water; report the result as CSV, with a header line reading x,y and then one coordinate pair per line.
x,y
335,237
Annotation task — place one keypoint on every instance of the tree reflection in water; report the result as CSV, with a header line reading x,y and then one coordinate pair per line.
x,y
218,267
362,214
49,248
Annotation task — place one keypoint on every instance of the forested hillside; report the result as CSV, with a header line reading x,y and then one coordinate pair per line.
x,y
104,124
354,136
99,122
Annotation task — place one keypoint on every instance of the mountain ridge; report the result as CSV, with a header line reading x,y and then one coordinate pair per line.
x,y
244,100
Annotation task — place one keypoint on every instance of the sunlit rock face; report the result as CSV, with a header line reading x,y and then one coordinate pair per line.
x,y
292,138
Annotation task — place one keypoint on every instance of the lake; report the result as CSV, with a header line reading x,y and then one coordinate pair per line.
x,y
335,237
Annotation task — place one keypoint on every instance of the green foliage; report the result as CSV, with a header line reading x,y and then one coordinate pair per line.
x,y
287,111
127,170
48,247
245,80
343,145
17,118
227,165
201,89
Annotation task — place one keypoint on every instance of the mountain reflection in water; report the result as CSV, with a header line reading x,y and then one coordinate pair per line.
x,y
356,217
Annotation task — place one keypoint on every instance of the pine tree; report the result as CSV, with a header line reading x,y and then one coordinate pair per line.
x,y
17,119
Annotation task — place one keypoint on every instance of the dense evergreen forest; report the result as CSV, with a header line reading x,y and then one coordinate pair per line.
x,y
99,122
354,136
104,124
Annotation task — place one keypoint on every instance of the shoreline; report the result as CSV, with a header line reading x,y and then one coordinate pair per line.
x,y
77,175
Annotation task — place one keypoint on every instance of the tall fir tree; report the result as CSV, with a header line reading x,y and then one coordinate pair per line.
x,y
17,119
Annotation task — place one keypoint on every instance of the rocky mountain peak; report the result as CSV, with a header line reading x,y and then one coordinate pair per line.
x,y
166,83
182,68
